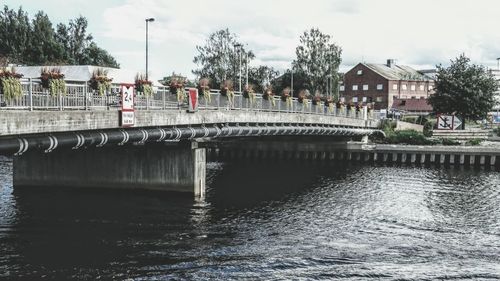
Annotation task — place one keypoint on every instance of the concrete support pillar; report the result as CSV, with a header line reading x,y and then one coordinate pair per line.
x,y
442,157
452,159
375,157
482,159
332,155
472,160
403,158
394,157
386,155
492,160
179,168
422,158
462,159
367,157
433,158
413,158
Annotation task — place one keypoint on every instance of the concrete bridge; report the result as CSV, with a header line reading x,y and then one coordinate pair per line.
x,y
85,146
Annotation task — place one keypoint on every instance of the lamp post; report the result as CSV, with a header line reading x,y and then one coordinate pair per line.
x,y
498,63
238,47
148,20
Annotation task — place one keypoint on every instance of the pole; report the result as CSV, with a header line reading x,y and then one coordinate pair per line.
x,y
240,70
246,70
147,21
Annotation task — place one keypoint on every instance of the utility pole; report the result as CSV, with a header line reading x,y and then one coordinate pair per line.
x,y
148,20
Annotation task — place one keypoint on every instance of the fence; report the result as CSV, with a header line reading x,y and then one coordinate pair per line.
x,y
79,96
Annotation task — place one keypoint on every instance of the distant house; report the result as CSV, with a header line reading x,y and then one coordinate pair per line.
x,y
379,85
82,73
411,106
496,74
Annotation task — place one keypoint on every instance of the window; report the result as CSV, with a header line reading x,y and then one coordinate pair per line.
x,y
342,88
342,99
404,87
364,99
380,86
413,97
412,87
354,99
365,87
354,87
430,87
378,99
421,87
394,86
359,72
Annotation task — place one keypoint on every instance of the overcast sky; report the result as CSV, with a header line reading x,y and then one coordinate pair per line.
x,y
419,33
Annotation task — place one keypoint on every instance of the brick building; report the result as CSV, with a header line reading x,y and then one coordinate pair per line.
x,y
379,84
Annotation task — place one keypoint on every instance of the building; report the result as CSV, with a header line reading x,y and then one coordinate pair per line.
x,y
496,74
379,84
411,106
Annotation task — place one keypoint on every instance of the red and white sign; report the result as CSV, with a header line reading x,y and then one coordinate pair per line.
x,y
127,114
193,100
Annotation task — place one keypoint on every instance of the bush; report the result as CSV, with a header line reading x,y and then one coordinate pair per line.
x,y
428,127
474,142
497,131
449,142
408,137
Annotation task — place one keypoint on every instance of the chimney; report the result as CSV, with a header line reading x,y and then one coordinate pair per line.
x,y
390,62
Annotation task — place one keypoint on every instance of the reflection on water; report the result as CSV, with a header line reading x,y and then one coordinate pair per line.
x,y
262,222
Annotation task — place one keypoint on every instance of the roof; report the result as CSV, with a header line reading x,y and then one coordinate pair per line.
x,y
411,105
397,72
83,73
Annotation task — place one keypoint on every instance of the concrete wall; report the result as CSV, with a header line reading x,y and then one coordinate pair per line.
x,y
400,125
35,122
178,168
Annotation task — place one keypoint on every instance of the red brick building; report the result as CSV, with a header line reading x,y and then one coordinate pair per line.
x,y
379,84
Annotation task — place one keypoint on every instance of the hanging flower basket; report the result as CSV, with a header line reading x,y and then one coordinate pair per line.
x,y
316,100
100,81
53,80
10,85
143,85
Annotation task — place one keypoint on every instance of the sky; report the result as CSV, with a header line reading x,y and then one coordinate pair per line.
x,y
418,33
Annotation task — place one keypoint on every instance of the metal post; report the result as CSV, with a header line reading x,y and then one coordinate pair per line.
x,y
147,22
240,71
30,93
163,98
246,71
291,88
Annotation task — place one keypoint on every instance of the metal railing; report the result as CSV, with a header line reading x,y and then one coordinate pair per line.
x,y
79,96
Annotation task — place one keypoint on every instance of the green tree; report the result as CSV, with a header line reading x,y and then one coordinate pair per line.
x,y
15,31
44,48
464,89
218,59
299,82
261,77
318,59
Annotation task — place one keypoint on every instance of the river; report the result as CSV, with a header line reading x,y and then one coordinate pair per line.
x,y
262,222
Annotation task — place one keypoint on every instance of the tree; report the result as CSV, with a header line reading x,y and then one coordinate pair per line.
x,y
37,43
299,82
318,59
261,77
464,90
218,59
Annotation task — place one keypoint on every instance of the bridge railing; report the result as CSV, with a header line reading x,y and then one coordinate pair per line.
x,y
79,96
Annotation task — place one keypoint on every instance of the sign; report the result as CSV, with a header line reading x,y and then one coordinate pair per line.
x,y
448,122
193,100
127,118
127,92
127,114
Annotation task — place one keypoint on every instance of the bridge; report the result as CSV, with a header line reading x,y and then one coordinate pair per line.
x,y
76,139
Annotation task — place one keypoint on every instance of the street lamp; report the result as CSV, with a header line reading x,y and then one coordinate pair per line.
x,y
498,63
148,20
238,46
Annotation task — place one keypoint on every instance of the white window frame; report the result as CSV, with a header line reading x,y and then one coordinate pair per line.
x,y
354,87
378,99
359,72
413,87
380,86
421,87
354,99
431,87
394,86
364,99
365,87
404,87
342,88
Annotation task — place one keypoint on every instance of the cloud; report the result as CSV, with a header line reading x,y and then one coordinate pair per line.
x,y
422,34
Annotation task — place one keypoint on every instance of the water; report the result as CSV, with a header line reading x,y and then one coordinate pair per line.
x,y
348,222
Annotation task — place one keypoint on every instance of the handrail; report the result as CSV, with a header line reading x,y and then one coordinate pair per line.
x,y
80,96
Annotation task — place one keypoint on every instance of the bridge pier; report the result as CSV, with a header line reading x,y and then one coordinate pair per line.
x,y
175,167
